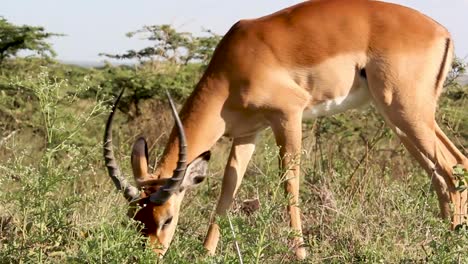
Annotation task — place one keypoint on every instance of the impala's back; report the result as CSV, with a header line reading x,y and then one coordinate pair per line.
x,y
321,49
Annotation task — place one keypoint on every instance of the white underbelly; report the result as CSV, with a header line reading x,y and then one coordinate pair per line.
x,y
355,99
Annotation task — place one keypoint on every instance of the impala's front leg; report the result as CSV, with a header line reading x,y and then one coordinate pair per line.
x,y
241,152
288,134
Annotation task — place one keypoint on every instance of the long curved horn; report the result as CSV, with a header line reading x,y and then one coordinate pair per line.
x,y
163,194
130,192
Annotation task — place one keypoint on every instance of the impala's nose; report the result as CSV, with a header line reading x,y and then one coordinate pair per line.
x,y
158,247
160,252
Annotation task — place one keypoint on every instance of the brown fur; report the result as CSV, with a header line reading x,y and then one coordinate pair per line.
x,y
268,71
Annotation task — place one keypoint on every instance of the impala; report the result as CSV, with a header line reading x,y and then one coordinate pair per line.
x,y
313,59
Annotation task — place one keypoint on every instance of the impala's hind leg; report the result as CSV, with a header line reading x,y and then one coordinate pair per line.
x,y
404,93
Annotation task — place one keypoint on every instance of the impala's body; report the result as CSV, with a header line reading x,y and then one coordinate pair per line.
x,y
316,58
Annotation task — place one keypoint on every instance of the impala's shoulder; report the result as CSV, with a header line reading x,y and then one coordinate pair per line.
x,y
240,26
238,31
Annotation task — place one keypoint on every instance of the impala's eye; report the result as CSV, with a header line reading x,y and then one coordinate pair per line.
x,y
168,221
198,180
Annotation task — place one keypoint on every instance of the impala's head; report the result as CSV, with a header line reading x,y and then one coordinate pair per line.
x,y
159,194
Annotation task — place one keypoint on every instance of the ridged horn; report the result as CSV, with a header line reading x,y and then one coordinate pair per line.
x,y
173,184
130,192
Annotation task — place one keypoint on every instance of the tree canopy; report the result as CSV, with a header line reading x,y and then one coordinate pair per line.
x,y
173,62
14,38
169,45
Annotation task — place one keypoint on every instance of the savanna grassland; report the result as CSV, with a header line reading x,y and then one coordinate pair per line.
x,y
363,198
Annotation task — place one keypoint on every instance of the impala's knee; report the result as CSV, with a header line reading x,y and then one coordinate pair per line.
x,y
291,186
440,183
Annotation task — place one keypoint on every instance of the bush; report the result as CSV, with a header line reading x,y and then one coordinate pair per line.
x,y
50,210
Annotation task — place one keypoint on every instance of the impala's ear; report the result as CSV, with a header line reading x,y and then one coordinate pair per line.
x,y
196,171
140,158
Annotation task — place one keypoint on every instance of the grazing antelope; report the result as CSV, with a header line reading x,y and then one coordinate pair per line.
x,y
313,59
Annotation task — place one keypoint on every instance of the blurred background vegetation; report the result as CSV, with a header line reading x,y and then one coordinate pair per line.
x,y
363,198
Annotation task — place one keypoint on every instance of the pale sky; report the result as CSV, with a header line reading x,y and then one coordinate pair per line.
x,y
94,26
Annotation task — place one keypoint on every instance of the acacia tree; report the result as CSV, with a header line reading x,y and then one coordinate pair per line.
x,y
173,62
459,67
172,46
14,38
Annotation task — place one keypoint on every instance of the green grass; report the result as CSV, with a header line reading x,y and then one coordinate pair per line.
x,y
363,199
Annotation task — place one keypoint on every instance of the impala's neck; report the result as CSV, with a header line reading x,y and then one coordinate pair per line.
x,y
202,121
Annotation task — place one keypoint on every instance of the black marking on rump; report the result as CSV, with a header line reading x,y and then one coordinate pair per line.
x,y
442,64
